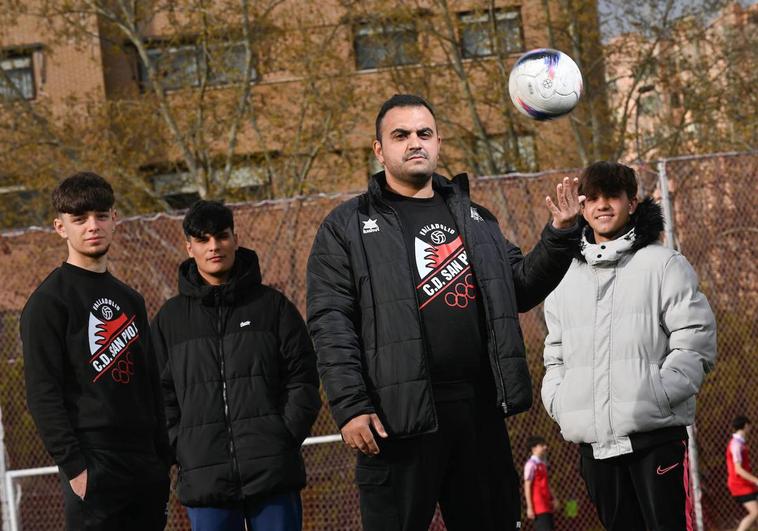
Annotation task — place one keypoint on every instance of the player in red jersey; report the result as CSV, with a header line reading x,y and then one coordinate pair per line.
x,y
741,482
540,503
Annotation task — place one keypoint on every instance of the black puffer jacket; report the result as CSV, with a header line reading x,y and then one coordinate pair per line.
x,y
240,386
363,315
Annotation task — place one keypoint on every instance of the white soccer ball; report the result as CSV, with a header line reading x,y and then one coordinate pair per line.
x,y
545,84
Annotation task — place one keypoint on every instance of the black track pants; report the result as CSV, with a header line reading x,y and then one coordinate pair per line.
x,y
648,489
126,491
466,466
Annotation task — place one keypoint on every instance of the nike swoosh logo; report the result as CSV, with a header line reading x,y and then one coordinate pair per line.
x,y
660,471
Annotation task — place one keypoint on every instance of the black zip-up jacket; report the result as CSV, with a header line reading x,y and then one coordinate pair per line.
x,y
363,314
240,386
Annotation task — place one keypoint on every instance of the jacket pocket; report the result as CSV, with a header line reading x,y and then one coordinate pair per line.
x,y
660,395
378,494
93,470
554,403
89,488
573,407
286,434
372,476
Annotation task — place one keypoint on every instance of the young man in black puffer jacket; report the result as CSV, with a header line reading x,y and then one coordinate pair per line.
x,y
239,381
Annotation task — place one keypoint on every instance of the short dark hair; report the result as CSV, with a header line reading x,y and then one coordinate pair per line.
x,y
83,192
739,422
207,217
400,100
535,440
609,179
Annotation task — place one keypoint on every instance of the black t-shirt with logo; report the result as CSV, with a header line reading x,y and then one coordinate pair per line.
x,y
447,294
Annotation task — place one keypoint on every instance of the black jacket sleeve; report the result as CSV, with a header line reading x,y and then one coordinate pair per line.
x,y
43,334
172,413
538,273
300,399
160,436
332,316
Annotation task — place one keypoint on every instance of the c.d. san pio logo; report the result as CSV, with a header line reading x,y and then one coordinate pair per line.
x,y
443,267
111,332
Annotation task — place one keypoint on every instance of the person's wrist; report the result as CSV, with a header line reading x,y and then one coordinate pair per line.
x,y
563,226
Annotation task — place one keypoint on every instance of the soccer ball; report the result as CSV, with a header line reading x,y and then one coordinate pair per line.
x,y
545,84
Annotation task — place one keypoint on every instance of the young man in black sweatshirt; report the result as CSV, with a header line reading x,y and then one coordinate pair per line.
x,y
239,381
91,378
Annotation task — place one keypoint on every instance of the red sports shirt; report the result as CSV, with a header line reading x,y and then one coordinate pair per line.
x,y
535,470
736,452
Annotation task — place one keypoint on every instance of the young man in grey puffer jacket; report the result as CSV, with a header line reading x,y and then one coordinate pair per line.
x,y
630,339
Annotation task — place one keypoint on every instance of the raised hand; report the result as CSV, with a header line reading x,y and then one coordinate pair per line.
x,y
569,203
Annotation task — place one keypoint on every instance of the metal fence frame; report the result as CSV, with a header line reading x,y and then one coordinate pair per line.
x,y
10,475
10,499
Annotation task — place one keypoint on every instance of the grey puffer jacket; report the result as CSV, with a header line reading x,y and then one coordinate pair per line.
x,y
630,339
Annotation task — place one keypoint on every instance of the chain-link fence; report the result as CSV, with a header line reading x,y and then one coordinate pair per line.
x,y
716,227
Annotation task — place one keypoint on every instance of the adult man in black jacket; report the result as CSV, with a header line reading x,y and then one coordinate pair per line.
x,y
239,381
413,296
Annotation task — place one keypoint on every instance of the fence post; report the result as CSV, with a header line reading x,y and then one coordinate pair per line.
x,y
668,210
4,502
668,216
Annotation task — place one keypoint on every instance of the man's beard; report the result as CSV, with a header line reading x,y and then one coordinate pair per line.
x,y
417,178
98,254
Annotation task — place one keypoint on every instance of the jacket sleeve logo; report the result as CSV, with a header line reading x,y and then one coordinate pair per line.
x,y
111,332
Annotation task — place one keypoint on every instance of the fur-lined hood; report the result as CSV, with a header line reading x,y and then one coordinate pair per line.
x,y
646,227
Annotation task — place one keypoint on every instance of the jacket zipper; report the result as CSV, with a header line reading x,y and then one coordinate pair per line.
x,y
494,356
222,365
418,314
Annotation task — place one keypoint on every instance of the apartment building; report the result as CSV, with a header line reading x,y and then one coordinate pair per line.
x,y
686,88
276,100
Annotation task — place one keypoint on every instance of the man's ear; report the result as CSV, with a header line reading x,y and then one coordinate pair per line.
x,y
60,228
633,203
189,247
377,147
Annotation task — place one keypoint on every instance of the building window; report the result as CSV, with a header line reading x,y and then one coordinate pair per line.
x,y
650,104
226,64
498,146
176,188
19,70
250,176
179,190
476,32
184,66
379,44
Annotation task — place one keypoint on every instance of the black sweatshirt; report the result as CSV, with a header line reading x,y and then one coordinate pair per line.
x,y
91,375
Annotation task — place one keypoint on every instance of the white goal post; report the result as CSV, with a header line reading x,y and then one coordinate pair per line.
x,y
13,498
